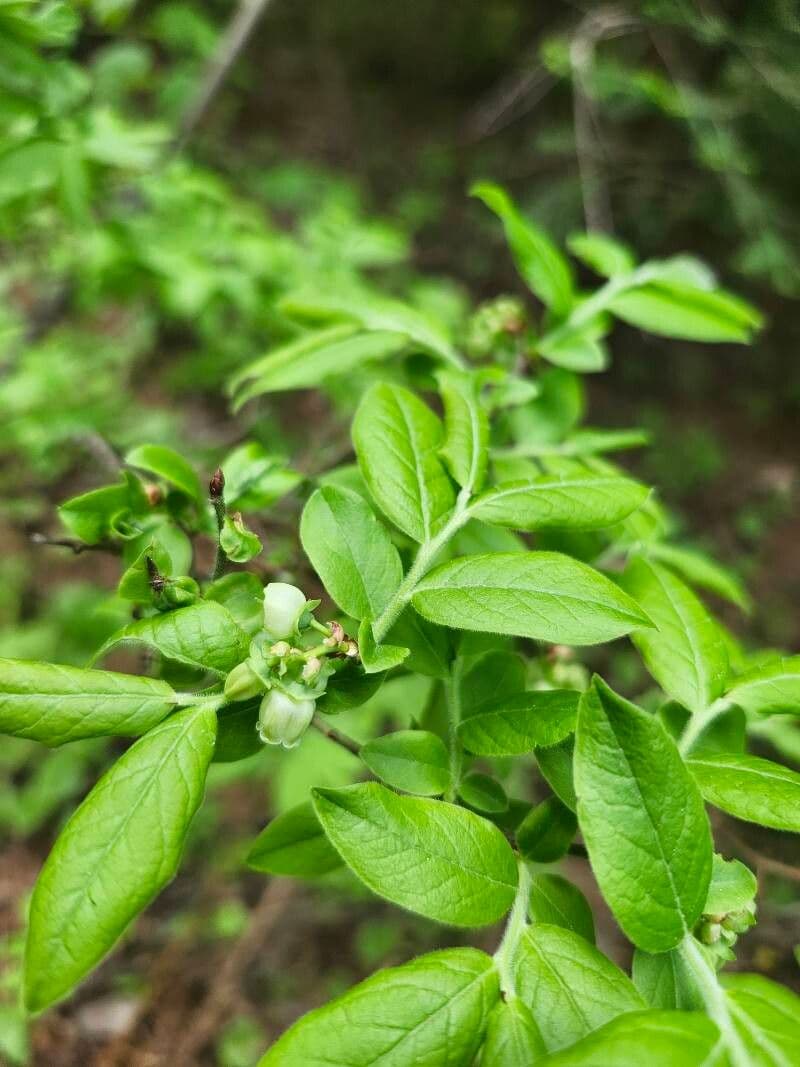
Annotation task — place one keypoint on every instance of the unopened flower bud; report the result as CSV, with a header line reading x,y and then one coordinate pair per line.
x,y
280,648
311,669
282,720
216,486
337,632
153,494
283,606
351,650
180,592
243,683
710,933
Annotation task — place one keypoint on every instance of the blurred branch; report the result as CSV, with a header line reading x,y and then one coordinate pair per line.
x,y
229,49
599,25
336,735
74,544
514,97
215,1009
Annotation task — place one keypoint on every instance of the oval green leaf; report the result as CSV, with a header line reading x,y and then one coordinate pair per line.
x,y
53,704
643,820
415,761
542,595
570,987
750,788
431,1011
121,847
521,723
433,858
350,550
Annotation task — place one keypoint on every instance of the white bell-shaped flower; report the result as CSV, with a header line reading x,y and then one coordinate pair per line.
x,y
283,606
282,720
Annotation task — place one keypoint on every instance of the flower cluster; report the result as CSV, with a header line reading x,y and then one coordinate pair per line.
x,y
284,666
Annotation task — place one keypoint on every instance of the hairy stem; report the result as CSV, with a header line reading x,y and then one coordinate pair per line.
x,y
426,555
698,723
453,691
713,996
515,928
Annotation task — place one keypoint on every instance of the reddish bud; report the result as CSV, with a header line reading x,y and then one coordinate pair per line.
x,y
216,486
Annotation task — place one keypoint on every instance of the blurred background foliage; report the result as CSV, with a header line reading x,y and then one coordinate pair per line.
x,y
156,204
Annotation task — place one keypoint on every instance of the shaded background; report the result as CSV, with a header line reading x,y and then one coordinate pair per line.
x,y
138,272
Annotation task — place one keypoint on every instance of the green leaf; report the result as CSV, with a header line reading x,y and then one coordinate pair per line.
x,y
699,569
603,254
685,654
672,309
397,440
521,723
433,858
415,761
512,1037
542,595
765,1015
294,844
581,350
171,466
350,687
642,819
733,886
482,792
556,764
238,543
428,645
53,704
574,503
491,678
539,262
665,981
90,515
255,479
558,902
314,359
431,1011
545,834
657,1038
289,361
377,658
466,442
351,551
118,850
242,595
237,732
135,583
772,689
204,635
583,442
747,787
374,312
570,987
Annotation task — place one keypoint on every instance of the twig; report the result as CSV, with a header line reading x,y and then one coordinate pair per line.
x,y
74,544
228,50
336,735
216,495
100,449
